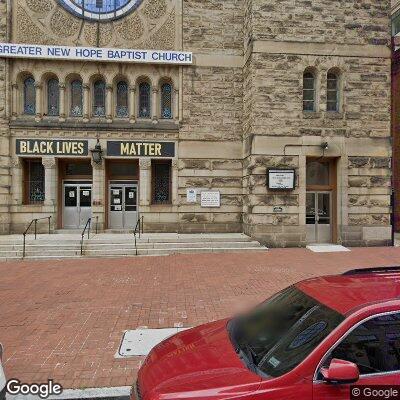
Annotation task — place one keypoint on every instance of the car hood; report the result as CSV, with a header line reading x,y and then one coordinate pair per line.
x,y
199,360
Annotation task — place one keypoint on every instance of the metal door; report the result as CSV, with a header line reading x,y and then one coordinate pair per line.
x,y
319,217
123,205
77,207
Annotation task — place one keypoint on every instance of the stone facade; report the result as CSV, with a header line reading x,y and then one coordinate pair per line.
x,y
238,111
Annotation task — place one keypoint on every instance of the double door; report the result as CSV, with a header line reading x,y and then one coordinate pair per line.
x,y
123,205
77,207
319,217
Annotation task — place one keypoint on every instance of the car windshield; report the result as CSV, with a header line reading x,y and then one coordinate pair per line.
x,y
281,332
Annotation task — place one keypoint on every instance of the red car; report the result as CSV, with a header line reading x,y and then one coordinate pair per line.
x,y
313,340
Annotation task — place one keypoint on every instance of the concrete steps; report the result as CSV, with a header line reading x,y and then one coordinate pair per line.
x,y
120,245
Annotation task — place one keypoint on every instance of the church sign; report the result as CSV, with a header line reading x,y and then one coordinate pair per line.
x,y
140,149
34,51
44,147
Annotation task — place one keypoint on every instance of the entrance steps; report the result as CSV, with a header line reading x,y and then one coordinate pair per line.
x,y
68,245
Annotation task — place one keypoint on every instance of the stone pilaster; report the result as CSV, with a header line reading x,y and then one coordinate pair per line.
x,y
17,181
176,104
175,183
109,107
62,102
50,180
86,102
98,195
132,104
14,100
38,105
145,181
154,106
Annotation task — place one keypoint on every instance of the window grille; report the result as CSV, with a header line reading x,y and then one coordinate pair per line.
x,y
53,97
122,100
29,96
166,101
144,100
34,182
161,182
76,98
99,99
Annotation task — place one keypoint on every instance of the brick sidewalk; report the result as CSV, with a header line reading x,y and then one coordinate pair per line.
x,y
65,319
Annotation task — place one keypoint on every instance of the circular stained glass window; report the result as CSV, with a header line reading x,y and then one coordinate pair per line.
x,y
100,10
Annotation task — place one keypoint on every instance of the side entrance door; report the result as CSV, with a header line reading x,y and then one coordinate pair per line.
x,y
319,217
77,205
123,205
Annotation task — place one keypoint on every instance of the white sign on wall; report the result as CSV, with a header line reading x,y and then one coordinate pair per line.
x,y
11,50
211,199
191,196
281,179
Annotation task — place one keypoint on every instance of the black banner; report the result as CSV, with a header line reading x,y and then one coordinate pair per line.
x,y
45,147
140,149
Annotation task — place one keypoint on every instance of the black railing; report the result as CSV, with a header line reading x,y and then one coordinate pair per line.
x,y
86,228
139,230
34,222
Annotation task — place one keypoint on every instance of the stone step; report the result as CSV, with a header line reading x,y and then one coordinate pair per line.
x,y
142,252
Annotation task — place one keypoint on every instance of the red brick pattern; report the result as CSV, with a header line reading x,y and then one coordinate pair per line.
x,y
64,319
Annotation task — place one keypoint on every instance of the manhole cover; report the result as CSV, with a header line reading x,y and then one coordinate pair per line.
x,y
139,342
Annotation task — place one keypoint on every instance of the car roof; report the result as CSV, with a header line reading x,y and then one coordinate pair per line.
x,y
354,289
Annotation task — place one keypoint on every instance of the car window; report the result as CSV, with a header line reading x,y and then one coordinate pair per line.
x,y
374,346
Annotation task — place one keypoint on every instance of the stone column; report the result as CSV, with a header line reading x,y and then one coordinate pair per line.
x,y
16,181
86,102
132,104
176,104
109,107
175,185
62,102
50,181
15,100
38,105
154,105
98,194
145,181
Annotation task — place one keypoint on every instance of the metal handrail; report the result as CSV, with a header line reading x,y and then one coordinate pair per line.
x,y
139,229
87,227
35,221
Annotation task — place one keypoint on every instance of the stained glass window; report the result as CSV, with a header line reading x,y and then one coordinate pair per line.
x,y
308,91
76,98
332,92
161,182
144,100
29,96
99,99
122,100
53,97
166,101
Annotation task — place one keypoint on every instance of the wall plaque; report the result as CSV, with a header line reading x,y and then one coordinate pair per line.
x,y
140,149
281,179
211,199
43,147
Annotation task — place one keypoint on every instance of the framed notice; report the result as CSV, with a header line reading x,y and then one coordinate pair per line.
x,y
191,196
281,179
211,199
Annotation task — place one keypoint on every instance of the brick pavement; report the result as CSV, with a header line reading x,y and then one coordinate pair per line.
x,y
64,319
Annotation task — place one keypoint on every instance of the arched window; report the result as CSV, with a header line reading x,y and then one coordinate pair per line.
x,y
144,100
76,98
53,97
332,103
29,96
122,100
309,91
99,98
166,101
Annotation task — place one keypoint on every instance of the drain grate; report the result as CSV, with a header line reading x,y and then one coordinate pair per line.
x,y
139,342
